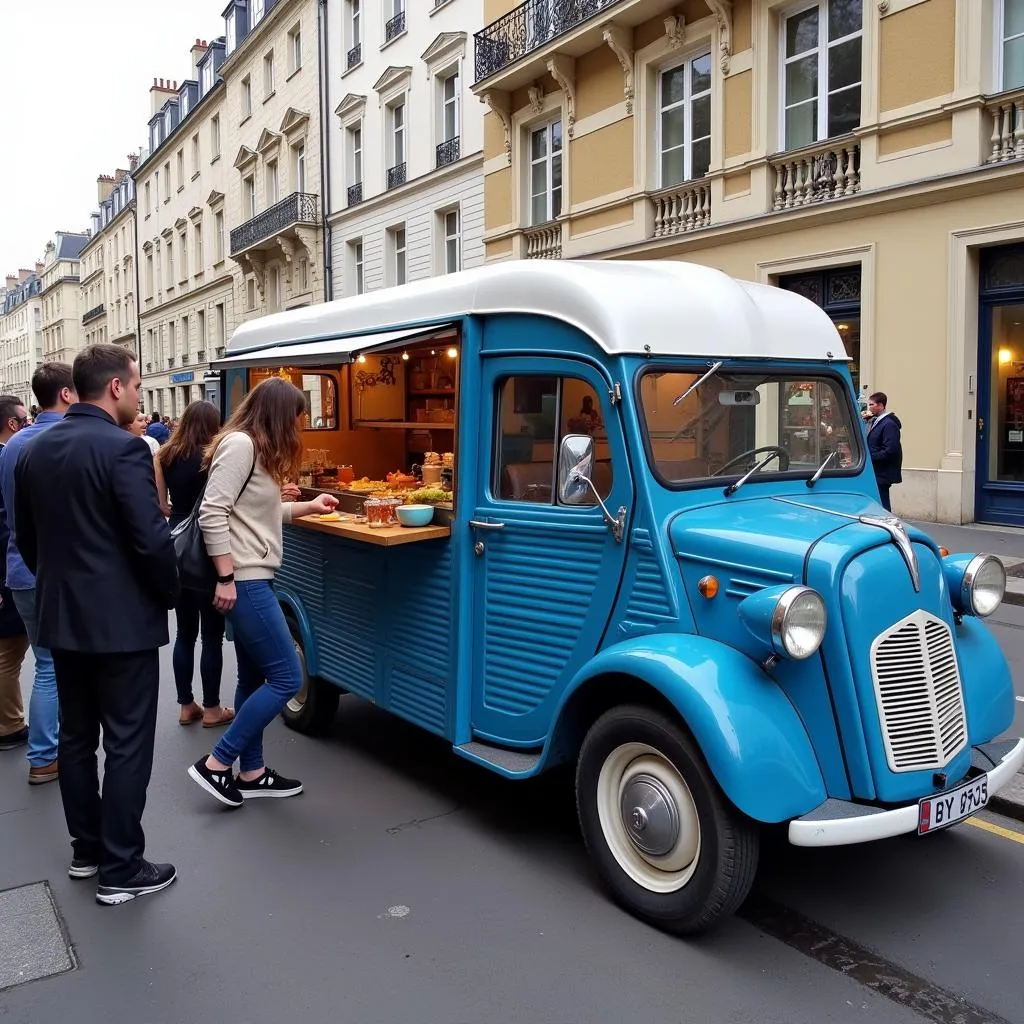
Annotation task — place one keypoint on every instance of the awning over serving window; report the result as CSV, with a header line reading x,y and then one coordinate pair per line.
x,y
325,351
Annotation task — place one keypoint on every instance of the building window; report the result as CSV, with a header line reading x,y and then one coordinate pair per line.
x,y
268,75
256,8
396,144
167,182
200,261
201,330
355,150
684,121
214,137
394,15
149,275
181,169
398,255
250,294
821,72
249,196
195,155
171,343
295,48
149,205
220,324
299,166
1011,33
356,263
206,77
218,236
353,30
231,30
546,173
450,106
170,264
182,238
271,182
246,97
273,289
452,241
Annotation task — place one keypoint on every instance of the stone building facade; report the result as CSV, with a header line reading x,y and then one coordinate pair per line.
x,y
63,337
21,333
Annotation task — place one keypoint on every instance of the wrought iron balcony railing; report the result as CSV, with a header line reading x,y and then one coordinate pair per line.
x,y
355,194
448,152
93,313
395,27
528,27
396,175
298,208
355,55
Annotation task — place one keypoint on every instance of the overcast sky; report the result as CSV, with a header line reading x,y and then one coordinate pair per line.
x,y
74,79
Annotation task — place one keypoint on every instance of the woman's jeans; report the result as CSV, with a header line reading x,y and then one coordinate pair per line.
x,y
197,617
269,674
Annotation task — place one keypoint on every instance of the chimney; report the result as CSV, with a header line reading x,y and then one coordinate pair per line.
x,y
104,186
159,93
23,275
197,51
119,175
12,282
40,267
133,162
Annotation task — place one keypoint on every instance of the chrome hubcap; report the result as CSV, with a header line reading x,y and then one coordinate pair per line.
x,y
650,815
298,702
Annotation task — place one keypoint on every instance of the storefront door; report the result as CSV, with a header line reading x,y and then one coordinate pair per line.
x,y
999,494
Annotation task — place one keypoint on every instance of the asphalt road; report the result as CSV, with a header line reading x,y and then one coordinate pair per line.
x,y
406,886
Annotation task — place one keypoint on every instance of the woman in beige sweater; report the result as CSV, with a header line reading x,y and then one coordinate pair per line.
x,y
251,462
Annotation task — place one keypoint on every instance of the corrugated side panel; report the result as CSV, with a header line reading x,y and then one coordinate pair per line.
x,y
303,567
649,603
540,586
417,698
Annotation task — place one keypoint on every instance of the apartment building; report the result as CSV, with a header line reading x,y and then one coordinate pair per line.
x,y
109,269
405,142
21,333
186,283
868,154
273,184
63,338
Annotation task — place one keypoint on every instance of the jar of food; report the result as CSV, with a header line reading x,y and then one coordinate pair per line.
x,y
345,475
391,506
374,512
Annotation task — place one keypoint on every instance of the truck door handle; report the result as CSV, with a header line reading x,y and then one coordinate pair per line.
x,y
479,525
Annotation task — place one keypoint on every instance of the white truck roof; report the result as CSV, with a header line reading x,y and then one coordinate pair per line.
x,y
660,307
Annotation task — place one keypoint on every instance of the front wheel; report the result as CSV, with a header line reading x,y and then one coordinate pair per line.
x,y
313,708
666,842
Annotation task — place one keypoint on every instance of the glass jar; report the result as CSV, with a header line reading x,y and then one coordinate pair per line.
x,y
374,512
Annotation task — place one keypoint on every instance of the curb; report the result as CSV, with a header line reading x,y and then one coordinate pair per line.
x,y
1010,800
1013,597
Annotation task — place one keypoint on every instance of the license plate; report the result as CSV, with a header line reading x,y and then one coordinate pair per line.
x,y
945,809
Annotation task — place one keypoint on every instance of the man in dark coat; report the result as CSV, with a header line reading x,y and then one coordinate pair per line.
x,y
884,445
89,526
157,429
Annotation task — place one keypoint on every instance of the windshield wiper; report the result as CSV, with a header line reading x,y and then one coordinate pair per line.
x,y
734,487
821,469
689,391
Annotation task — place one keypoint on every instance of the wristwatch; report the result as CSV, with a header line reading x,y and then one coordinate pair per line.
x,y
230,578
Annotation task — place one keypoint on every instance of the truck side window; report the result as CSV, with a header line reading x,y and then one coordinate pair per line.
x,y
535,413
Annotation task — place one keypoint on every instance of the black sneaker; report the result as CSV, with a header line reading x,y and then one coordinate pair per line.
x,y
268,784
149,878
81,867
13,740
220,785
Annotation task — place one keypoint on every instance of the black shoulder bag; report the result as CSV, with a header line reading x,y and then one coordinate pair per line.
x,y
195,566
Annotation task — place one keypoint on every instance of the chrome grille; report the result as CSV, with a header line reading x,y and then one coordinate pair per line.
x,y
917,688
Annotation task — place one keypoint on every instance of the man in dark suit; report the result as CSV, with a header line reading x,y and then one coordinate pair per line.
x,y
885,446
88,524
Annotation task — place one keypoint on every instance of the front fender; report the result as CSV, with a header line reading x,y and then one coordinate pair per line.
x,y
987,681
750,734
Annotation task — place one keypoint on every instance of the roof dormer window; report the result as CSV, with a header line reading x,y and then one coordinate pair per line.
x,y
167,122
231,28
257,12
206,77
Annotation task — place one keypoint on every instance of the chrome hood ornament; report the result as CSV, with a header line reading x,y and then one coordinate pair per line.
x,y
898,533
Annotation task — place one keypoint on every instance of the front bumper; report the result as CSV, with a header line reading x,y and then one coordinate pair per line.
x,y
841,823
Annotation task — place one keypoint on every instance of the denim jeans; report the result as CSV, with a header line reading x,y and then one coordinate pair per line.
x,y
43,711
269,674
197,617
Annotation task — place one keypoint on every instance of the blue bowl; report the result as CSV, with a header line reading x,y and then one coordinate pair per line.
x,y
415,515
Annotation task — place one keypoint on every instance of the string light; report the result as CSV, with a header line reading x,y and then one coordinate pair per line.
x,y
452,353
405,357
361,359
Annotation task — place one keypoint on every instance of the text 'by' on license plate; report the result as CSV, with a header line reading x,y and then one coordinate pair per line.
x,y
935,812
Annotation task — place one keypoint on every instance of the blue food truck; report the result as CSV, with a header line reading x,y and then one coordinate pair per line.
x,y
653,549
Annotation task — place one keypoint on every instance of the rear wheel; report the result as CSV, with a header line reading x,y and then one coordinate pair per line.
x,y
313,708
666,842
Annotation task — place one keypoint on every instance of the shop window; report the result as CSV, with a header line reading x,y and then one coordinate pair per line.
x,y
534,414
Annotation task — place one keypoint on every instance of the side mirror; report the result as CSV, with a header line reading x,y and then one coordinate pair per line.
x,y
575,469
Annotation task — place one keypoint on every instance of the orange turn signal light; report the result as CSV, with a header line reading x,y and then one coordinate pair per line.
x,y
708,587
943,552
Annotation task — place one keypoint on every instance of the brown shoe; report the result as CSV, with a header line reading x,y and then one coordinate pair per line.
x,y
221,716
190,714
43,773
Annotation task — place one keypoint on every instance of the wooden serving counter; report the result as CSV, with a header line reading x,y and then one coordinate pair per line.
x,y
382,536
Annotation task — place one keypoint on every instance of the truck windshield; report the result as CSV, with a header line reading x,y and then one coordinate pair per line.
x,y
730,422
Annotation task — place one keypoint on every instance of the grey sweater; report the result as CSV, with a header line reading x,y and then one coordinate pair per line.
x,y
248,527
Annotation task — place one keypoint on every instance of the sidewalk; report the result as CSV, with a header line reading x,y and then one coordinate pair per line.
x,y
1006,542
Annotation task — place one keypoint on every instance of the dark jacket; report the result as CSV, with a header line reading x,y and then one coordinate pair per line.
x,y
89,526
886,450
158,432
10,620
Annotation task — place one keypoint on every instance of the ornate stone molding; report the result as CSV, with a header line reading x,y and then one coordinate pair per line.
x,y
883,6
308,237
620,41
563,70
675,30
257,267
287,247
498,103
536,98
722,10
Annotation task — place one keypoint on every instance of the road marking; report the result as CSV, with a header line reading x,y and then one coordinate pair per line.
x,y
996,830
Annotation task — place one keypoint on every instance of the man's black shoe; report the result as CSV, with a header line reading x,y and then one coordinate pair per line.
x,y
149,878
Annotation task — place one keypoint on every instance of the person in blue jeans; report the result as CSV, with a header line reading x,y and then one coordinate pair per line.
x,y
54,388
251,464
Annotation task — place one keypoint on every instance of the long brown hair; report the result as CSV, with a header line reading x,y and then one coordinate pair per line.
x,y
269,414
196,429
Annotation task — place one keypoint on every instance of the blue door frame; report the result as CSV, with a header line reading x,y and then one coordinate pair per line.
x,y
1002,284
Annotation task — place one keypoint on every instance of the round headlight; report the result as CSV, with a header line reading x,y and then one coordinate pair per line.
x,y
983,586
798,625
